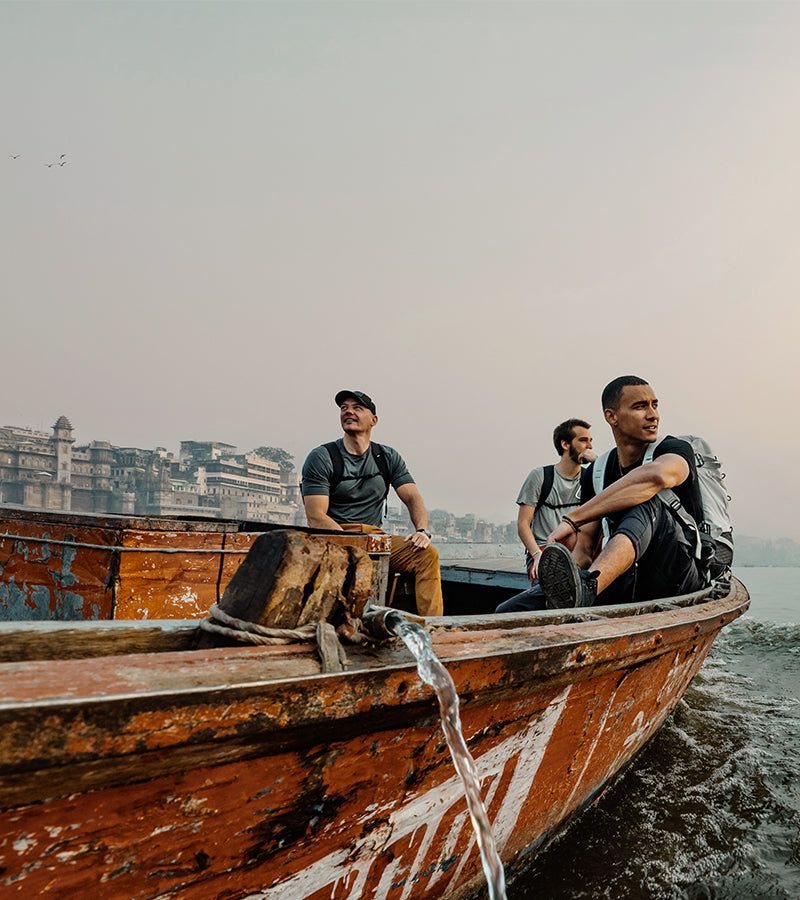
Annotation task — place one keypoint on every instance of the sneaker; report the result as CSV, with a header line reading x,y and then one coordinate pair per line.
x,y
563,583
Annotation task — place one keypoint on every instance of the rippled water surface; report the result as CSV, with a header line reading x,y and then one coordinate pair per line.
x,y
711,807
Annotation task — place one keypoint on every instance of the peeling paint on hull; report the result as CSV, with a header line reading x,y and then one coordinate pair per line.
x,y
245,773
69,567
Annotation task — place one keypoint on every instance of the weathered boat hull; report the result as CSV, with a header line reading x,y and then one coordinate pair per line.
x,y
245,773
66,567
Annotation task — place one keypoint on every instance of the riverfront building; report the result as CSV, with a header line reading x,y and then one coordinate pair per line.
x,y
40,470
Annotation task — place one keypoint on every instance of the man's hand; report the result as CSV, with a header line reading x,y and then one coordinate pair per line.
x,y
533,572
587,456
418,540
564,534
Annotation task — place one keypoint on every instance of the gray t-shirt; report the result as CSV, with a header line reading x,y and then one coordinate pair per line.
x,y
565,495
358,498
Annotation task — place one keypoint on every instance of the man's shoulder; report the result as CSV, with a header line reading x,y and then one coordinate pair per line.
x,y
323,448
391,454
321,455
671,444
531,487
534,478
535,473
386,448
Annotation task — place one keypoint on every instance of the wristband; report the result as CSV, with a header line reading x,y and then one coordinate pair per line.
x,y
424,531
571,524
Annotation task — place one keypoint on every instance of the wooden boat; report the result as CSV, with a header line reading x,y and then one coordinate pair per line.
x,y
135,764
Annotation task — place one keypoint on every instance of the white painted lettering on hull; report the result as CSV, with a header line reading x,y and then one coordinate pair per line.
x,y
424,815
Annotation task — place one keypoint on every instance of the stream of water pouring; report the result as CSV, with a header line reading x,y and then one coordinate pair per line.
x,y
432,672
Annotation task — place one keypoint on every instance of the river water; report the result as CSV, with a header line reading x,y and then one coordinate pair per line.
x,y
711,807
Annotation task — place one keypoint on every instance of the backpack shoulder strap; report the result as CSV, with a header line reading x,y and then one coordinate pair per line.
x,y
672,500
599,472
336,461
547,486
651,449
598,481
379,455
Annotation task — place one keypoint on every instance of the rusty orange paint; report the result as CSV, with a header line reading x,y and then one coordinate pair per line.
x,y
313,786
44,577
234,829
62,566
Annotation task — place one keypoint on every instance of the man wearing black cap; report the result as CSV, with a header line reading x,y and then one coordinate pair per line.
x,y
347,481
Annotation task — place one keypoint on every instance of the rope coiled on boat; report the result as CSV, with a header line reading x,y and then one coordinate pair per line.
x,y
250,633
326,637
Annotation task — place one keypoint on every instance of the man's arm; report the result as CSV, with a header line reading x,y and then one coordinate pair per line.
x,y
317,512
636,487
411,497
525,532
585,548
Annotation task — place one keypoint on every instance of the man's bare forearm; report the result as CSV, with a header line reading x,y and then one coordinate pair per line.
x,y
631,490
418,515
528,541
323,522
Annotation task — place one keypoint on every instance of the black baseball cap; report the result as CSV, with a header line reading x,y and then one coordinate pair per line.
x,y
362,398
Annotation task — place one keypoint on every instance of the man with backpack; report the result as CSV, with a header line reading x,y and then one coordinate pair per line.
x,y
345,485
652,546
548,493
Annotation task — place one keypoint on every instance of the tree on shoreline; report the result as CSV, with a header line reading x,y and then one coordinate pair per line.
x,y
277,455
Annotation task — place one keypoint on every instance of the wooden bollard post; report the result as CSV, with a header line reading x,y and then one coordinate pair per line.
x,y
291,578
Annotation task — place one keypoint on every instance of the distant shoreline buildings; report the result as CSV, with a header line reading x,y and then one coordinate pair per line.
x,y
39,470
210,478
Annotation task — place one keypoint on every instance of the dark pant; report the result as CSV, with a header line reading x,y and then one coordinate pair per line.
x,y
532,599
665,564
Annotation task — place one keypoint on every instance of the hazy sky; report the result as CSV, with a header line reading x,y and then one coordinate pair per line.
x,y
478,213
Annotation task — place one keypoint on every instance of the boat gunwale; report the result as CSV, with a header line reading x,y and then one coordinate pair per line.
x,y
523,640
122,522
518,622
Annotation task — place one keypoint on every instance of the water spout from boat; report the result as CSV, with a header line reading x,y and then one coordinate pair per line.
x,y
432,672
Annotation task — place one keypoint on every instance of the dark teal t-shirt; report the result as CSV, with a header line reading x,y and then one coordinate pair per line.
x,y
358,498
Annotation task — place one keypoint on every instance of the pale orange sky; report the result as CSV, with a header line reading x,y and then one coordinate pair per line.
x,y
479,213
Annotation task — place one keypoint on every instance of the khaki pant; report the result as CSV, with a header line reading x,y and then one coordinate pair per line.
x,y
422,564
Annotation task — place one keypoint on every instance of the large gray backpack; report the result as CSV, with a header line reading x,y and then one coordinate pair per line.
x,y
714,535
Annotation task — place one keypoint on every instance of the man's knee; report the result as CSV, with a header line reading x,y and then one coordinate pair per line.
x,y
639,524
404,559
431,555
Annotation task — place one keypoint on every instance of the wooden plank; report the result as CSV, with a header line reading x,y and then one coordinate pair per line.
x,y
21,641
168,585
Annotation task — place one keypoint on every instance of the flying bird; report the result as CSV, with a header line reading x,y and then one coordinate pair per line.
x,y
14,155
